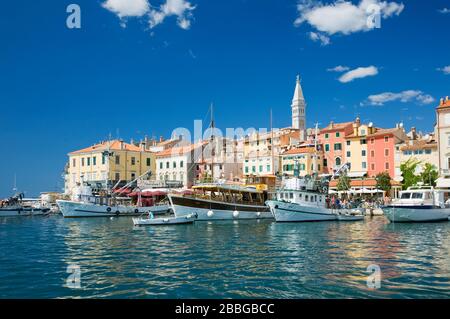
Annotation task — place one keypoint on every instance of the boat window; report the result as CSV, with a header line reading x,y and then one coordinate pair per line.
x,y
417,195
306,198
428,196
405,195
291,195
300,196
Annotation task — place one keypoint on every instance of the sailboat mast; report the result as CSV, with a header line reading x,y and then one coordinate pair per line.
x,y
212,142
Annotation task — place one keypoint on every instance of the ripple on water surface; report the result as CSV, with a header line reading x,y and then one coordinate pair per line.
x,y
229,259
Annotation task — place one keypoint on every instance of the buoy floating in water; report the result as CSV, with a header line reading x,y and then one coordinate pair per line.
x,y
210,213
235,214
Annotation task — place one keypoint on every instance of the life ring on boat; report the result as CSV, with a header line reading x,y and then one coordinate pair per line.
x,y
276,206
108,209
136,211
117,213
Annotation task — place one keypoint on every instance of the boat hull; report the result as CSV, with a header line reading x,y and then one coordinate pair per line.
x,y
21,211
189,219
80,209
291,212
213,210
399,214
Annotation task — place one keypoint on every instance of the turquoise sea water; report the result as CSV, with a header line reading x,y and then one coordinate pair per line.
x,y
229,259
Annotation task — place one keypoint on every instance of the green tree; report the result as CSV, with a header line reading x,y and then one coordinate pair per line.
x,y
408,170
343,182
383,181
429,174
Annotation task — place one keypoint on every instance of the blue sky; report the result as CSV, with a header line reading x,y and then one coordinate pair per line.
x,y
63,89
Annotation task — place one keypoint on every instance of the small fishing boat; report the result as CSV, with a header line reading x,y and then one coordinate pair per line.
x,y
350,215
15,206
151,221
419,204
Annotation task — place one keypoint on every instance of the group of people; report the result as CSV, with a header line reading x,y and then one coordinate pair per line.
x,y
334,202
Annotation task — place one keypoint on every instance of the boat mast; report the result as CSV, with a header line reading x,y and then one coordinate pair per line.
x,y
15,183
212,142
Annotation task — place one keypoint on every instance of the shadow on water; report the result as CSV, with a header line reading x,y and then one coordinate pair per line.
x,y
223,259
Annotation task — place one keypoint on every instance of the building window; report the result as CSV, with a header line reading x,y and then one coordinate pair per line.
x,y
117,159
117,177
74,162
325,162
348,143
149,161
246,169
160,165
348,154
386,139
386,152
174,164
167,165
363,141
260,168
363,132
364,165
326,135
338,134
94,160
363,152
254,169
338,161
427,151
82,161
103,159
327,147
386,165
318,167
133,176
337,146
268,168
88,161
133,160
372,153
372,166
372,140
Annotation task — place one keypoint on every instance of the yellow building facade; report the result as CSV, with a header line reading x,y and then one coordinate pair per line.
x,y
115,162
304,158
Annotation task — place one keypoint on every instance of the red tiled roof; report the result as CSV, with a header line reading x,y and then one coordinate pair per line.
x,y
444,103
335,127
114,145
299,150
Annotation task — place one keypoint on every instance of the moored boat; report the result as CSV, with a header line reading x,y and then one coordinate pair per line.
x,y
221,202
172,220
14,206
419,204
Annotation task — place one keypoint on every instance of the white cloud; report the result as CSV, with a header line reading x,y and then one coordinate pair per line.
x,y
445,69
444,10
127,8
358,73
182,9
404,96
342,17
323,39
339,68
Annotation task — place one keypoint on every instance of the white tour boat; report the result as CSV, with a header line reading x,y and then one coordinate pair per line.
x,y
15,206
419,204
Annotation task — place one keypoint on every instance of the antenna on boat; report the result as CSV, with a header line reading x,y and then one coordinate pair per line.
x,y
15,183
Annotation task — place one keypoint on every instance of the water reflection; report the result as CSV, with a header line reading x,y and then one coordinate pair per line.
x,y
229,259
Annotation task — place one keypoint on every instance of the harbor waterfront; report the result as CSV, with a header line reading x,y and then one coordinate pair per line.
x,y
222,259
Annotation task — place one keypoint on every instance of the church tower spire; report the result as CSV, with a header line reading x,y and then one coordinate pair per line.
x,y
298,107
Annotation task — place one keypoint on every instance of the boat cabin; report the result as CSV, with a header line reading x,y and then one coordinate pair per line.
x,y
424,196
230,194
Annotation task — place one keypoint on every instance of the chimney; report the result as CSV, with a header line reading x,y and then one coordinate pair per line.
x,y
142,145
161,139
446,98
331,124
441,102
121,144
356,125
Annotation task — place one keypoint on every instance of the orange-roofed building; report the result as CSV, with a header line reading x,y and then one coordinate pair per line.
x,y
303,157
113,162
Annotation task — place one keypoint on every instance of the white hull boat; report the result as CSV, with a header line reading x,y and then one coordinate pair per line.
x,y
398,214
82,209
221,214
159,209
350,216
419,204
141,221
294,212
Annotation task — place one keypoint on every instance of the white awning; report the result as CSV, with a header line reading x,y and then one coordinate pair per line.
x,y
443,182
356,174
